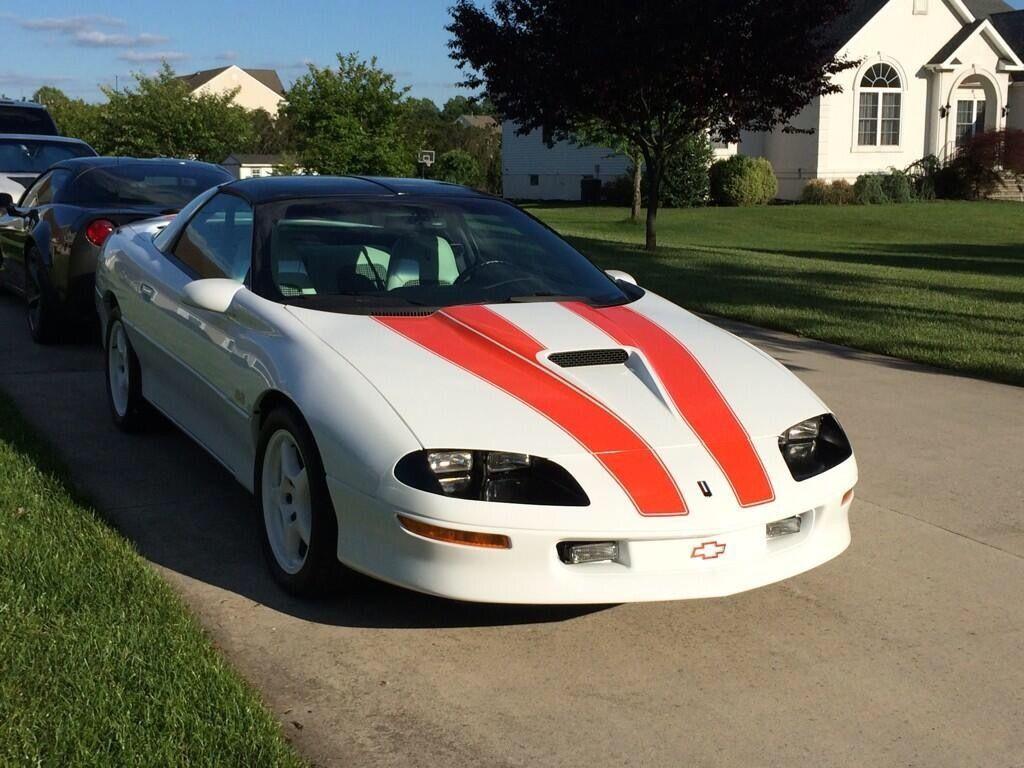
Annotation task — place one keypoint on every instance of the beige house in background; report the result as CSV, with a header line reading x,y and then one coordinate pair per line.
x,y
257,88
931,74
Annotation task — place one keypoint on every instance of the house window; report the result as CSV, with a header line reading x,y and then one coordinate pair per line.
x,y
920,7
880,107
970,119
534,180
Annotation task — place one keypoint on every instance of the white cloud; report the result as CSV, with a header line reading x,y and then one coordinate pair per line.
x,y
93,38
227,56
69,24
150,57
24,80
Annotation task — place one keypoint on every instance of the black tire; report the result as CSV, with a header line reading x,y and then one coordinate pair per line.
x,y
129,410
43,306
320,572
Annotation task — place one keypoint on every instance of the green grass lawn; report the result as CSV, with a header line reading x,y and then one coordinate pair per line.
x,y
940,283
100,663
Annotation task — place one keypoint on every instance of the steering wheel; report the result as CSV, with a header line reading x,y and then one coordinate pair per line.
x,y
474,268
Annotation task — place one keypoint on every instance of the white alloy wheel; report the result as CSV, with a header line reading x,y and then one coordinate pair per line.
x,y
119,369
287,504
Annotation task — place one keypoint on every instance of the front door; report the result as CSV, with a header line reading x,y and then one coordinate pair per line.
x,y
194,350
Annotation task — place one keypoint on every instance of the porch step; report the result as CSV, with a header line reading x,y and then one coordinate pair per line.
x,y
1009,189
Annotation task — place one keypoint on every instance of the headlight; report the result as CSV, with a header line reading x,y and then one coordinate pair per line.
x,y
814,446
512,478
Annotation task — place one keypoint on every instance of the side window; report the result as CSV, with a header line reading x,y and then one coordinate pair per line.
x,y
218,240
40,193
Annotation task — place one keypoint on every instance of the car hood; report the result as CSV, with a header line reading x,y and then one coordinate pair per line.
x,y
458,378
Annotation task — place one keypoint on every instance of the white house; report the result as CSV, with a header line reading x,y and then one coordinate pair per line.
x,y
257,88
930,73
243,166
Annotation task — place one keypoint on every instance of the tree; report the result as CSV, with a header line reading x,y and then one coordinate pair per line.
x,y
653,71
74,117
457,106
159,117
599,134
458,167
349,120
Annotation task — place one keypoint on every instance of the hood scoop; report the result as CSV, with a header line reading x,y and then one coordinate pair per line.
x,y
589,357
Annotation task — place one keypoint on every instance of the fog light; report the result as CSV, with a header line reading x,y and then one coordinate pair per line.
x,y
786,527
577,553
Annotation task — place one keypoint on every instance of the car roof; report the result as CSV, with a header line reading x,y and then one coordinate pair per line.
x,y
26,104
84,163
41,137
268,189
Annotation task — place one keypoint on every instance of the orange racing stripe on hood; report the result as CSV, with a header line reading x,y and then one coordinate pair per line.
x,y
488,346
694,394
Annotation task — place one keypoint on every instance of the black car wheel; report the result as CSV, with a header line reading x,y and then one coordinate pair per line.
x,y
43,306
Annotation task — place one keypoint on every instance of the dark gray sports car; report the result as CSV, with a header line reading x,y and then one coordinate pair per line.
x,y
50,238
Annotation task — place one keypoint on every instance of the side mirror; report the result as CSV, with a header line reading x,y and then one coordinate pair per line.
x,y
212,294
620,277
6,202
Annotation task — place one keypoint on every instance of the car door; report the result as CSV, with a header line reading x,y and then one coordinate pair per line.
x,y
196,368
17,224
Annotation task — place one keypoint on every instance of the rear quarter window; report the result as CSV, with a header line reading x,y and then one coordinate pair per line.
x,y
170,186
15,119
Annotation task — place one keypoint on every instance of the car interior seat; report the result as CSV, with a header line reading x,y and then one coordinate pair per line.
x,y
421,259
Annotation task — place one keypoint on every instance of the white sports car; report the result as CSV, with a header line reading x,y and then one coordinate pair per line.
x,y
428,385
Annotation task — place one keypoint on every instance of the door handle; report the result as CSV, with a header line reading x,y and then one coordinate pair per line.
x,y
147,292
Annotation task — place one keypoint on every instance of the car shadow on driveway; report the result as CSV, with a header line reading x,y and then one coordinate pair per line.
x,y
182,510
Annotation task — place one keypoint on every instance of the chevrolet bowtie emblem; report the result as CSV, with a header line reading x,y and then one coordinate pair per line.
x,y
709,550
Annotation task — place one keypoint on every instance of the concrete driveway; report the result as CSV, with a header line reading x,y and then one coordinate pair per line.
x,y
907,650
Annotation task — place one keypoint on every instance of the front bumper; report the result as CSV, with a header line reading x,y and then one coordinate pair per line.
x,y
661,566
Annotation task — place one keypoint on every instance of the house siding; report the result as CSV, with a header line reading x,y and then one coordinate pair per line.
x,y
558,169
252,94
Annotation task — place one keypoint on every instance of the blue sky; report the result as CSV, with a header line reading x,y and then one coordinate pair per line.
x,y
78,45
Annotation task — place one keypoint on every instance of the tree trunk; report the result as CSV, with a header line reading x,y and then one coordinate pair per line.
x,y
638,175
653,199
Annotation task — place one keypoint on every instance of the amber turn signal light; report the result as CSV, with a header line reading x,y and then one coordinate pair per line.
x,y
452,536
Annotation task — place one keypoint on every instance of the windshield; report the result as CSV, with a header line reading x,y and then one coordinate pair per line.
x,y
165,185
35,156
368,255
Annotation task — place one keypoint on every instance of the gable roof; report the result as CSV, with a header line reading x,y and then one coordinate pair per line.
x,y
1010,27
244,159
478,121
1009,57
861,12
267,77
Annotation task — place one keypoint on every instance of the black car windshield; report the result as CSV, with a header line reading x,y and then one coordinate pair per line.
x,y
144,184
36,155
381,254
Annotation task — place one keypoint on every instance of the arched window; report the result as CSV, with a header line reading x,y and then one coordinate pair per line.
x,y
880,106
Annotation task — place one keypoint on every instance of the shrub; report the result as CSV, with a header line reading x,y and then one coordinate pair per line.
x,y
898,187
840,192
686,183
743,181
458,167
822,192
815,193
870,189
618,191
